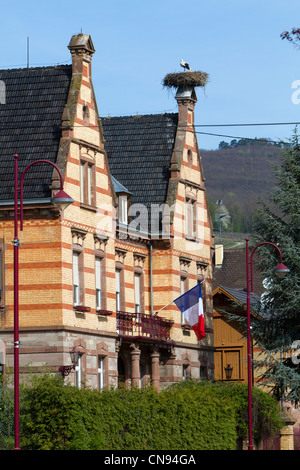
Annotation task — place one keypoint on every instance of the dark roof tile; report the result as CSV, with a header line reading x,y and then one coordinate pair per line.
x,y
233,272
139,150
30,123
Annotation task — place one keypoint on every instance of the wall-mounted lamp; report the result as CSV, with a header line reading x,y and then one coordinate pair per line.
x,y
65,370
228,372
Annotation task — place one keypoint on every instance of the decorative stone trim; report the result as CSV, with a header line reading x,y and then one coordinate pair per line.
x,y
201,270
100,242
120,255
138,260
78,236
184,264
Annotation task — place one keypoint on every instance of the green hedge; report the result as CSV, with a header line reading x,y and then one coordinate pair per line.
x,y
190,416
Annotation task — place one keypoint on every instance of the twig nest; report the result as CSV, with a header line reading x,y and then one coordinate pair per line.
x,y
185,79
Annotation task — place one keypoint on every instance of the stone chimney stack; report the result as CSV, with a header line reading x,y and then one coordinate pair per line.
x,y
82,50
186,99
184,83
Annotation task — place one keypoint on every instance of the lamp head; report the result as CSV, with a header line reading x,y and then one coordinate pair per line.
x,y
281,270
74,356
62,200
228,371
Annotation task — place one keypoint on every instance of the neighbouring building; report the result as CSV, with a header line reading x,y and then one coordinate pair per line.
x,y
230,296
101,276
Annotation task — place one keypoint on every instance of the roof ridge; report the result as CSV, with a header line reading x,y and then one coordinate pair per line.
x,y
137,116
29,69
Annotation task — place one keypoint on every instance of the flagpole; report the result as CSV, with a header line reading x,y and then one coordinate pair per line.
x,y
163,308
178,298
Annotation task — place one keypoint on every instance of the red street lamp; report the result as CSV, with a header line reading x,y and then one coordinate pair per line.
x,y
281,270
62,200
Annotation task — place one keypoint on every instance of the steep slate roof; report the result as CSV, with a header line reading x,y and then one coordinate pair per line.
x,y
30,123
233,272
241,296
139,150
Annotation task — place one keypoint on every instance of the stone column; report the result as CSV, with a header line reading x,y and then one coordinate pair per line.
x,y
135,365
155,368
287,432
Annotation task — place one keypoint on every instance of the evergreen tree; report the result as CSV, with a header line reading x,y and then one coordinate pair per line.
x,y
279,222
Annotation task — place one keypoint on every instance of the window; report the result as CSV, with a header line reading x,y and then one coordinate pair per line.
x,y
185,372
120,279
203,372
1,277
2,360
100,373
118,290
190,158
78,381
76,277
87,185
190,217
86,114
123,209
183,289
98,268
78,237
137,292
2,273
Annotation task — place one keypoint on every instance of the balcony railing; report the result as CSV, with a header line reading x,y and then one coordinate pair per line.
x,y
147,327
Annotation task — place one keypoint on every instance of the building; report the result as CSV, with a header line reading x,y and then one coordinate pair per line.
x,y
230,296
99,278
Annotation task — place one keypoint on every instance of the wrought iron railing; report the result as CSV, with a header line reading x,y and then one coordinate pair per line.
x,y
144,326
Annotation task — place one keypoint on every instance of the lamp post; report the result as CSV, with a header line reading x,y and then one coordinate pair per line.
x,y
281,270
61,200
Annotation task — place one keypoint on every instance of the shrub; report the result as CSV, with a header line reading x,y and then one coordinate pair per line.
x,y
189,416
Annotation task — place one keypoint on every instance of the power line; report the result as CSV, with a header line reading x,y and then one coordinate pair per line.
x,y
152,127
249,124
261,139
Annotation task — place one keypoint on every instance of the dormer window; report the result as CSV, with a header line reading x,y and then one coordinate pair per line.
x,y
123,209
123,201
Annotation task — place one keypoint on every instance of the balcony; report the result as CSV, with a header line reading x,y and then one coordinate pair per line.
x,y
144,327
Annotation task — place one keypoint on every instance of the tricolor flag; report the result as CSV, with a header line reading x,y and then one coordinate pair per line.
x,y
191,305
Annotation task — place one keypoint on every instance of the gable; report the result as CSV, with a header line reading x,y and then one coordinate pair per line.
x,y
30,123
235,300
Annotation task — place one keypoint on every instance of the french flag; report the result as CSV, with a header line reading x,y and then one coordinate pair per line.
x,y
191,305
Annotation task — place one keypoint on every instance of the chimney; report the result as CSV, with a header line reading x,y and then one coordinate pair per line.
x,y
185,83
82,50
219,254
186,99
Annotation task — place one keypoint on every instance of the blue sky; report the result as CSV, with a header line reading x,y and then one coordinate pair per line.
x,y
251,70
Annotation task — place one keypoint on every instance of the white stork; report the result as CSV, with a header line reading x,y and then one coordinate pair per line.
x,y
185,65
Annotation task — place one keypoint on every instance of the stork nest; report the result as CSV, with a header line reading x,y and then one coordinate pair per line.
x,y
185,79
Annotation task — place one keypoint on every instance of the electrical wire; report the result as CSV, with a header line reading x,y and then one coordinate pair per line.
x,y
250,124
193,127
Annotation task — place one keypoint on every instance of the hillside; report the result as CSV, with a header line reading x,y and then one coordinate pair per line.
x,y
239,175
